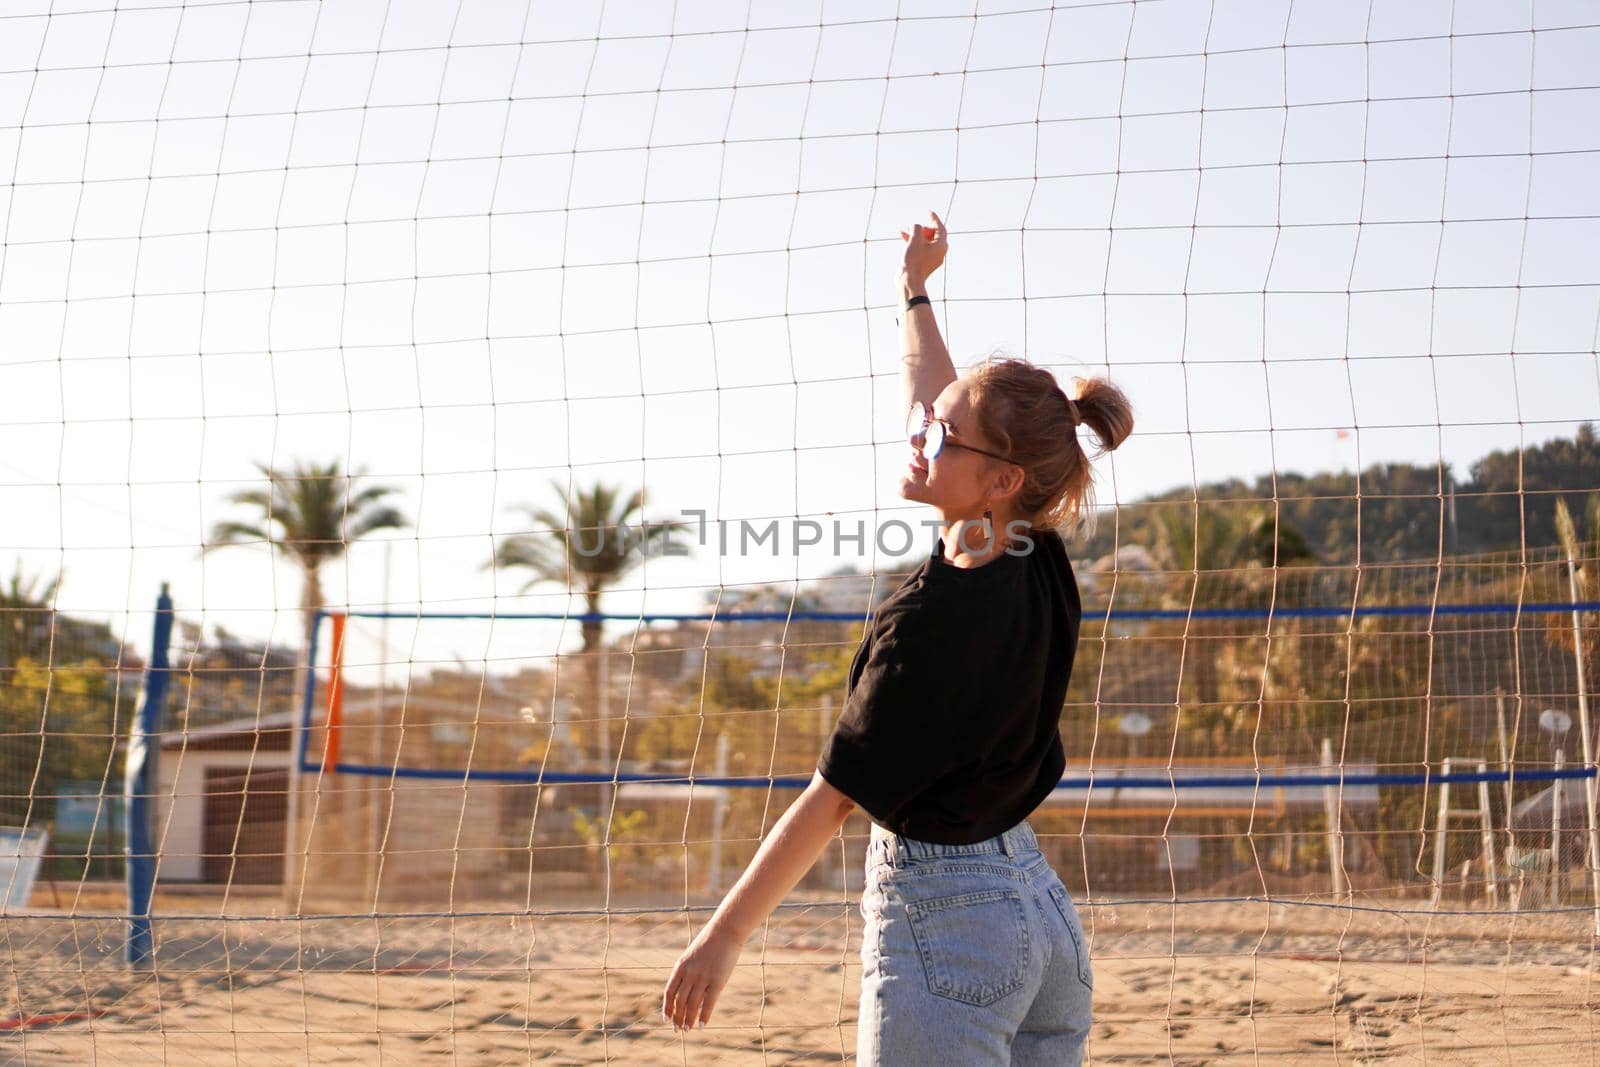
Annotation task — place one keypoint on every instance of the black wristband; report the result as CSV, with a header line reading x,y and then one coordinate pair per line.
x,y
914,301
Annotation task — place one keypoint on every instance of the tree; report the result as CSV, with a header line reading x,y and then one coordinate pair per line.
x,y
1228,551
311,514
1559,628
588,542
1396,511
58,698
1214,539
27,608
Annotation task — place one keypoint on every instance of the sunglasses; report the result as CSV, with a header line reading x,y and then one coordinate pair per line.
x,y
936,434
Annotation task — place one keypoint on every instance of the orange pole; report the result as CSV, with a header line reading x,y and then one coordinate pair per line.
x,y
335,722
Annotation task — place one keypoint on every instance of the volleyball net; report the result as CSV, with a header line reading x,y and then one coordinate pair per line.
x,y
505,398
1321,748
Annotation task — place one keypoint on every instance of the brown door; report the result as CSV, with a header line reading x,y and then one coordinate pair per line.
x,y
245,811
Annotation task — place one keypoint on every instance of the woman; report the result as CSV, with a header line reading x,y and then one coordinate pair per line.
x,y
972,952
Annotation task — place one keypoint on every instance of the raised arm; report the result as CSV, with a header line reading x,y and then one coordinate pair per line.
x,y
925,367
790,848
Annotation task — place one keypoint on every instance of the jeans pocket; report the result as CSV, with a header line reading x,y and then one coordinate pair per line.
x,y
974,946
1069,915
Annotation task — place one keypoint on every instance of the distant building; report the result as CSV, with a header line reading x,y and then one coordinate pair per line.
x,y
222,801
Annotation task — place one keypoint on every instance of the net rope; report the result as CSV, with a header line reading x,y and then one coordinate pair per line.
x,y
1331,787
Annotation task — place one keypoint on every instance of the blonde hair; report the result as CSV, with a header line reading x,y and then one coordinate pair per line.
x,y
1025,411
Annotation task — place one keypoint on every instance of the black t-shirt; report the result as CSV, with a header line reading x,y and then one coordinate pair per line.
x,y
951,726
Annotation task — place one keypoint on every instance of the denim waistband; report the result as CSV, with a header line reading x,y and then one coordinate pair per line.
x,y
896,848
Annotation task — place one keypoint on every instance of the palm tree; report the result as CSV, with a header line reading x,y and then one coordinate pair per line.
x,y
310,513
1227,552
26,611
1215,540
588,542
26,590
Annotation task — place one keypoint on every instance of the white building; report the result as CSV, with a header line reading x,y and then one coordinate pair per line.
x,y
221,801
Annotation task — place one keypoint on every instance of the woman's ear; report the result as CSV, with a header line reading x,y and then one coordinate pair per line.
x,y
1008,483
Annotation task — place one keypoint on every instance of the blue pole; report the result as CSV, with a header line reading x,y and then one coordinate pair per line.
x,y
310,692
139,778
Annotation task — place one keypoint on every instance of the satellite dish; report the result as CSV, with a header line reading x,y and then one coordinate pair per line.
x,y
1554,722
1134,724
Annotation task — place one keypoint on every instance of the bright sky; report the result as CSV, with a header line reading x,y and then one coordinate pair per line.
x,y
470,247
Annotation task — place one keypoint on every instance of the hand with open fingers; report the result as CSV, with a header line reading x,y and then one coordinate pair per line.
x,y
698,978
925,249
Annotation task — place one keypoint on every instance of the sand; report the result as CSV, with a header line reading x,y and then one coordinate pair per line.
x,y
1198,982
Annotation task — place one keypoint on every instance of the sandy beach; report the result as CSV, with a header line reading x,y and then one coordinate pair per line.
x,y
1195,982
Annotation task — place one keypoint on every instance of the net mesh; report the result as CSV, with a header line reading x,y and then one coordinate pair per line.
x,y
347,320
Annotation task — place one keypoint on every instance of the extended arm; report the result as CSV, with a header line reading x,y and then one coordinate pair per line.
x,y
925,367
788,852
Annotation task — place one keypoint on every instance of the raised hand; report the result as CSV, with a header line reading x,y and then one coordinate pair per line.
x,y
925,250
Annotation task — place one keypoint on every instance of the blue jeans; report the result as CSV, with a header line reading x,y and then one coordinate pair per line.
x,y
971,955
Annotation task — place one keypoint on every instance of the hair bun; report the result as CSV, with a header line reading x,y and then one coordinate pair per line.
x,y
1072,409
1107,410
